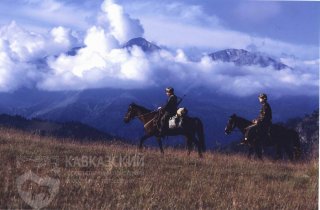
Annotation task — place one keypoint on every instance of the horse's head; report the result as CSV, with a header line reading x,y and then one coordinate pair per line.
x,y
231,124
131,113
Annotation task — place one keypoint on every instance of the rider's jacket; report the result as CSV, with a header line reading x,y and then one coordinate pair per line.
x,y
265,116
171,106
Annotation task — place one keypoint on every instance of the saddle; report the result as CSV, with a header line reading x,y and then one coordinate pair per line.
x,y
264,135
173,122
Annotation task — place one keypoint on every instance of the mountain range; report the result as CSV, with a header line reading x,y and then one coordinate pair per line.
x,y
239,57
104,109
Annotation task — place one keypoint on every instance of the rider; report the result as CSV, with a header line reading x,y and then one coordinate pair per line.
x,y
263,122
170,109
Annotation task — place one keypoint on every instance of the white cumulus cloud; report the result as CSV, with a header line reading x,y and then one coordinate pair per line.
x,y
21,49
121,25
101,62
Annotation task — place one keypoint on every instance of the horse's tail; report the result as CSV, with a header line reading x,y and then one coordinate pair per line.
x,y
200,134
296,146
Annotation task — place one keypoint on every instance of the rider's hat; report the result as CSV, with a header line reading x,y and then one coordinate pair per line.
x,y
169,90
263,96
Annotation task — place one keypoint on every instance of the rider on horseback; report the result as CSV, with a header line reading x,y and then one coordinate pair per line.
x,y
263,123
170,109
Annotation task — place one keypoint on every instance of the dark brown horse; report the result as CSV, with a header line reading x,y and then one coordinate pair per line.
x,y
281,138
192,129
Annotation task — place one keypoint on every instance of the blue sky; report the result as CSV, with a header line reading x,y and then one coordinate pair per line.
x,y
31,30
295,22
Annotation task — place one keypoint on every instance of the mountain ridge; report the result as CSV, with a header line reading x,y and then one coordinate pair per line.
x,y
241,57
145,45
104,109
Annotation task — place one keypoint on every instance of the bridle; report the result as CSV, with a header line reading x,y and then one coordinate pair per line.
x,y
232,127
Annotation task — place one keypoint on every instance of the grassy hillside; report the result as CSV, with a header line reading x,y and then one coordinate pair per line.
x,y
117,176
80,131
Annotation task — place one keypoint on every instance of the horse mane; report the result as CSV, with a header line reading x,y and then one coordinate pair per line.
x,y
244,120
241,119
143,109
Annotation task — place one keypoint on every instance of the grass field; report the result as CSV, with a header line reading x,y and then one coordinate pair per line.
x,y
117,176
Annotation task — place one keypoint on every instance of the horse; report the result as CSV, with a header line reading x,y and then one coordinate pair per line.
x,y
192,128
280,137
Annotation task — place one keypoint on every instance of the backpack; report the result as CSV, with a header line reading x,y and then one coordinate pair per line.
x,y
177,120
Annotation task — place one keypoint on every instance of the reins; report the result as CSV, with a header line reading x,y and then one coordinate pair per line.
x,y
142,115
145,125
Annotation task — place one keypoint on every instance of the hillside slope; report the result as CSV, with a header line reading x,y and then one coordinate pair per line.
x,y
110,176
104,109
72,130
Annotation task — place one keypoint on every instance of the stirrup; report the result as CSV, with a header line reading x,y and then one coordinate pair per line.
x,y
244,141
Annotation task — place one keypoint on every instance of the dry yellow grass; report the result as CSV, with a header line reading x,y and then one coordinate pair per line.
x,y
115,180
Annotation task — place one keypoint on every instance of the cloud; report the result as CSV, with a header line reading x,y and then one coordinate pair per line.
x,y
101,62
42,15
26,46
121,25
180,35
182,25
22,50
257,12
14,73
190,14
120,68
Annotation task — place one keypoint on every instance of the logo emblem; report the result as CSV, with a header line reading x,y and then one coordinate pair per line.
x,y
37,191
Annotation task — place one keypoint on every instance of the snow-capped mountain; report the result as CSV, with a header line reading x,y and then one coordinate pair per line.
x,y
245,58
145,45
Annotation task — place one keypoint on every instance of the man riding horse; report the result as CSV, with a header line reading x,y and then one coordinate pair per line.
x,y
169,109
261,125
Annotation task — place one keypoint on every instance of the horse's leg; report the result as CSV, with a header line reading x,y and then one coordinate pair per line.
x,y
250,152
200,152
278,152
195,141
189,144
258,150
142,139
289,152
160,144
297,153
199,146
